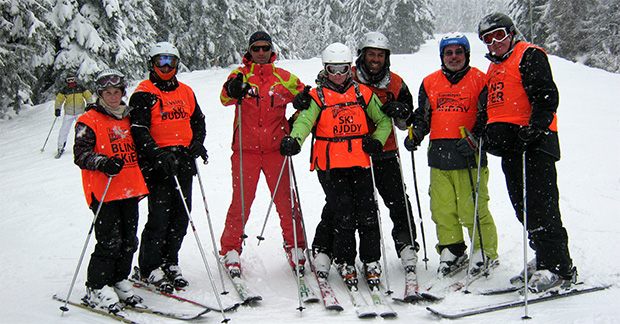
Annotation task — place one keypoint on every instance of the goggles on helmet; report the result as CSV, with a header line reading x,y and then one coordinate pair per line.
x,y
163,60
70,80
109,80
337,69
495,35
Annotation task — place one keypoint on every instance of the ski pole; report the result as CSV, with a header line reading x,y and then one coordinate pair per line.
x,y
260,237
475,193
301,217
49,133
525,287
405,198
374,194
202,252
204,200
292,189
239,122
417,198
64,308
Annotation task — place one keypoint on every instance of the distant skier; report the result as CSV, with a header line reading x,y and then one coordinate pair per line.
x,y
74,97
105,151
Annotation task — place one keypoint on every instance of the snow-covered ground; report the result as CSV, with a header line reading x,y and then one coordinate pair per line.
x,y
44,219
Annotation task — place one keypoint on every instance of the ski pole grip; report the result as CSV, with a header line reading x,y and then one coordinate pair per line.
x,y
410,131
462,128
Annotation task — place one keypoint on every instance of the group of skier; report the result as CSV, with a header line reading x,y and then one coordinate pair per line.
x,y
150,146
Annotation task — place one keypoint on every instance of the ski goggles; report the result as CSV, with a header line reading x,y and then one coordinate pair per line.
x,y
337,69
163,60
495,35
449,53
70,80
256,49
110,80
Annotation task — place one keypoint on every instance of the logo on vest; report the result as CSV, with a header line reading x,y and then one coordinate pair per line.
x,y
177,112
346,124
453,102
122,146
495,85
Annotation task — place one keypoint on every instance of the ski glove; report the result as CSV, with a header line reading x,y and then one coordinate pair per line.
x,y
303,99
467,146
412,143
167,162
371,145
57,112
289,146
395,109
196,150
111,166
236,88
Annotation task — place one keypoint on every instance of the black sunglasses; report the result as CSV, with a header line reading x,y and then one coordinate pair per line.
x,y
265,48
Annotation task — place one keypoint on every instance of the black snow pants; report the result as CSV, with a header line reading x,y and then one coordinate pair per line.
x,y
546,233
351,206
115,231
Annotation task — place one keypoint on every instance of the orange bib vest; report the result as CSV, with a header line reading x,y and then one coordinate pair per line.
x,y
340,128
507,101
170,117
113,138
385,95
453,105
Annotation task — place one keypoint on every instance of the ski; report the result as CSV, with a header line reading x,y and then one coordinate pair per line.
x,y
412,290
500,291
483,274
383,308
143,285
245,293
513,304
329,297
362,309
305,291
177,316
95,310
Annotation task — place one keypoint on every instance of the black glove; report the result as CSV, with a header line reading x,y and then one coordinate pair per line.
x,y
57,112
167,162
303,99
235,88
411,144
371,145
111,166
467,146
289,146
529,134
395,109
196,150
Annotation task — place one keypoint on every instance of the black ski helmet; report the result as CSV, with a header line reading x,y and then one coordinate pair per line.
x,y
494,21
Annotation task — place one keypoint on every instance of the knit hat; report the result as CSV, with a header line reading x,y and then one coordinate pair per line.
x,y
260,36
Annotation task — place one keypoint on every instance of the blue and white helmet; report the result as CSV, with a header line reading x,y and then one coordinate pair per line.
x,y
454,38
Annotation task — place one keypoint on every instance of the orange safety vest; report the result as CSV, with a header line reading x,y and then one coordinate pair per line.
x,y
113,138
170,117
391,93
453,105
507,101
340,128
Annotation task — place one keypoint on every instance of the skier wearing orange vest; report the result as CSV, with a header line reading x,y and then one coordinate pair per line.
x,y
169,129
340,108
521,109
448,100
104,148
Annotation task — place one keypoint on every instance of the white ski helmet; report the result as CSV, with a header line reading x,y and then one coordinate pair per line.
x,y
337,53
374,40
163,48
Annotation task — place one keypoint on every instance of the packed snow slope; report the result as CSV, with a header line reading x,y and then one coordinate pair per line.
x,y
44,220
